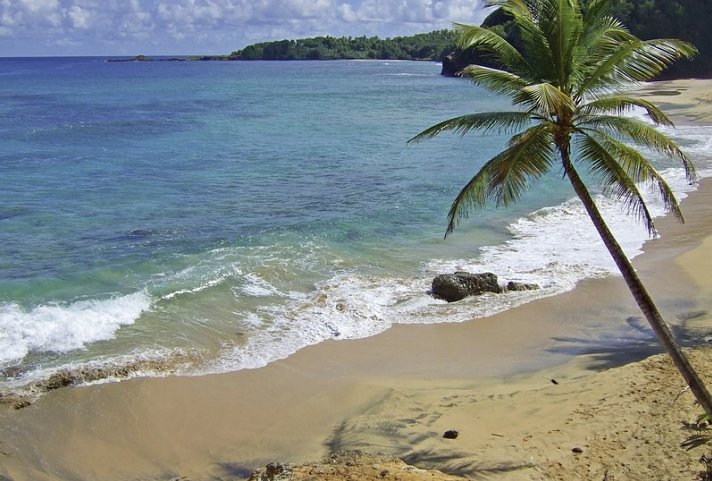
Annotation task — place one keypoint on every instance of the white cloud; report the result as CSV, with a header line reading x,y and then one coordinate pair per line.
x,y
102,27
426,12
39,6
79,17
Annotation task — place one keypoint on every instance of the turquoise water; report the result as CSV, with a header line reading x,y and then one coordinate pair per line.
x,y
227,214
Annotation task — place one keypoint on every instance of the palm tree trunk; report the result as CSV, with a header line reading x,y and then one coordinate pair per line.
x,y
640,294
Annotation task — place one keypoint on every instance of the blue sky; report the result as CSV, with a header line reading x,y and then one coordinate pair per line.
x,y
131,27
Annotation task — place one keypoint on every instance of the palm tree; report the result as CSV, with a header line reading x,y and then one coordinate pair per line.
x,y
569,78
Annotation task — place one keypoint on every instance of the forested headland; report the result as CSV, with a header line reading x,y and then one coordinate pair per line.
x,y
425,46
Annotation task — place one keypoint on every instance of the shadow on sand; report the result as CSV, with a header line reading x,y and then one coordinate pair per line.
x,y
459,464
635,341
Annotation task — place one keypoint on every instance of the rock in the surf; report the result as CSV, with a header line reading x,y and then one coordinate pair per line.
x,y
453,287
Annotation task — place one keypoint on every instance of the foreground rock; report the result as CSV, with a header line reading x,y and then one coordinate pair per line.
x,y
453,287
457,286
349,466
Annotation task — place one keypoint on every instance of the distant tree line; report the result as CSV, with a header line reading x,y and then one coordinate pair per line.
x,y
646,19
424,46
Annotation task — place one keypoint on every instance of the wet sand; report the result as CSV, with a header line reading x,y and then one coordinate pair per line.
x,y
397,392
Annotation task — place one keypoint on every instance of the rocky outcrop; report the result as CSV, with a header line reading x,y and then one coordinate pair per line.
x,y
274,472
457,286
451,65
350,466
27,394
16,401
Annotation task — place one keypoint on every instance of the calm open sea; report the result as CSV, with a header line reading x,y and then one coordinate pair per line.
x,y
212,216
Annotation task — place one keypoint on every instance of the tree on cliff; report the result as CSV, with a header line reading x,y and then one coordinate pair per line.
x,y
567,76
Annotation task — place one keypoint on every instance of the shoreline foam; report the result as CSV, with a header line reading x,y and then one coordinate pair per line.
x,y
402,385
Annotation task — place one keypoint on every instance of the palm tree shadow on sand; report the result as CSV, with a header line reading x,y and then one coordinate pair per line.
x,y
634,342
460,464
446,459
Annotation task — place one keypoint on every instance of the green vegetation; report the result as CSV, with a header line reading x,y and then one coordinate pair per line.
x,y
567,76
683,19
425,46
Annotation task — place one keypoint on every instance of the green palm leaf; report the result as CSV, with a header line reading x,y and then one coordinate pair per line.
x,y
643,134
649,58
622,104
485,121
640,170
548,100
506,176
472,36
616,179
496,81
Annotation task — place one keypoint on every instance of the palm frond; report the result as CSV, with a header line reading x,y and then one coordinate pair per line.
x,y
548,99
598,13
484,121
615,179
506,176
603,74
642,134
651,57
601,37
495,80
535,45
622,104
561,22
611,155
482,39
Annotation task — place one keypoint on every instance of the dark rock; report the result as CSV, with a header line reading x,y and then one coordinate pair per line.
x,y
453,287
451,65
16,401
273,472
521,286
58,380
22,403
451,434
577,450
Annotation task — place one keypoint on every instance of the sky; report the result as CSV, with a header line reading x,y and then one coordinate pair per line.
x,y
174,27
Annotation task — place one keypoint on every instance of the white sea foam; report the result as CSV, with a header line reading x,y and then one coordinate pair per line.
x,y
206,285
554,247
62,328
258,287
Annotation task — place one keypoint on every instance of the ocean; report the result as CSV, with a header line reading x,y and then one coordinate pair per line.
x,y
186,218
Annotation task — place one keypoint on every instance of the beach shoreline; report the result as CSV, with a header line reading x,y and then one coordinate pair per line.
x,y
396,392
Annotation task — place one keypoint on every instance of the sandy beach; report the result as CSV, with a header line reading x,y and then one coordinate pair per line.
x,y
567,387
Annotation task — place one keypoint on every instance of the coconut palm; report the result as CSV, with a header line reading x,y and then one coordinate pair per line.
x,y
570,77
